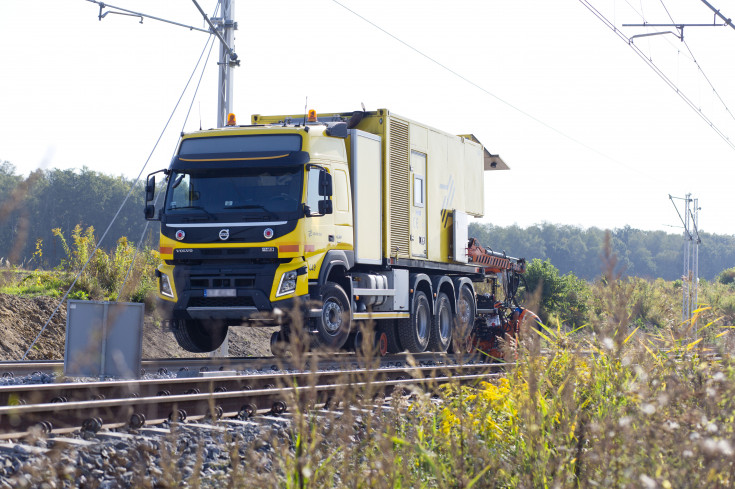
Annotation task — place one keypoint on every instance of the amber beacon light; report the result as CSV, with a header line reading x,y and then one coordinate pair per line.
x,y
312,116
231,121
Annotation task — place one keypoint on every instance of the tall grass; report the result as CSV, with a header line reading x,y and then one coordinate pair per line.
x,y
615,403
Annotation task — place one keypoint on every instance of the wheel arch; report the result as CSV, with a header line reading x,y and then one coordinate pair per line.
x,y
422,282
459,282
335,268
442,283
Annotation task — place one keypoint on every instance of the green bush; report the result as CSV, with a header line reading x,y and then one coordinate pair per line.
x,y
727,276
563,296
102,279
106,273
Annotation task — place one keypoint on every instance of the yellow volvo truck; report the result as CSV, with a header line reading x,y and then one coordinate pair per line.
x,y
364,214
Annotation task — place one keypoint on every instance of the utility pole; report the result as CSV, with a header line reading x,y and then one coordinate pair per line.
x,y
226,26
223,27
690,276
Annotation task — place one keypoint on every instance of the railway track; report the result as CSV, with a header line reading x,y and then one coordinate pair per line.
x,y
210,364
68,407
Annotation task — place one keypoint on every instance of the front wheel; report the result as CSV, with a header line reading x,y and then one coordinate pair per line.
x,y
197,337
334,324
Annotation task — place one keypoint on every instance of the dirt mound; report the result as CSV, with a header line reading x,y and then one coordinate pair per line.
x,y
22,318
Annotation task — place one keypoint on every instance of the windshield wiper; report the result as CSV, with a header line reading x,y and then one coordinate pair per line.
x,y
197,207
247,206
253,206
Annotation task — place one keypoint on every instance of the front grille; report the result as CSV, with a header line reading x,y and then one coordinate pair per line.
x,y
222,282
221,302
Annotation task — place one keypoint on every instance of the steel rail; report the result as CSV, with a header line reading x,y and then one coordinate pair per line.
x,y
16,421
118,389
152,365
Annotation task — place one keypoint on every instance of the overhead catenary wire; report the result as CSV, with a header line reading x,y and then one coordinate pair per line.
x,y
699,67
689,56
659,72
496,97
114,218
636,49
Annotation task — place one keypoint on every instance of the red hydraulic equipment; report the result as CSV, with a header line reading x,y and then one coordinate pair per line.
x,y
497,320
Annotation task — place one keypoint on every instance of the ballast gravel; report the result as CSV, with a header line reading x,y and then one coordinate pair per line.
x,y
143,458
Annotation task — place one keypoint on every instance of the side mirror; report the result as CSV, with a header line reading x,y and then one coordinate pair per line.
x,y
325,207
325,184
150,212
150,188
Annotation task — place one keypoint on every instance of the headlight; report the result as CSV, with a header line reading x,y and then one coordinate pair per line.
x,y
166,286
288,283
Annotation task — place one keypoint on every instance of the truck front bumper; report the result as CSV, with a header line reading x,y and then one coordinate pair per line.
x,y
234,294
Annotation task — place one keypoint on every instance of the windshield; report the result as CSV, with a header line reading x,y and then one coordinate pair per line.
x,y
268,193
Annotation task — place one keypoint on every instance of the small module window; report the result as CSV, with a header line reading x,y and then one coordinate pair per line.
x,y
418,191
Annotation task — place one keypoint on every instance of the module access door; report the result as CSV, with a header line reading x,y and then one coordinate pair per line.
x,y
367,168
418,205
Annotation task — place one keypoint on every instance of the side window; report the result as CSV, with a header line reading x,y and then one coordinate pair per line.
x,y
181,187
312,191
340,191
418,191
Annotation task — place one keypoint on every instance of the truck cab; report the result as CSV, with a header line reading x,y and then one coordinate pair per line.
x,y
247,214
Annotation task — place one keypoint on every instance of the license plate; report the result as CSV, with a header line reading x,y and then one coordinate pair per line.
x,y
220,293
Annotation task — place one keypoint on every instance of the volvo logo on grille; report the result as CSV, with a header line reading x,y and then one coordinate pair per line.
x,y
268,233
180,234
224,234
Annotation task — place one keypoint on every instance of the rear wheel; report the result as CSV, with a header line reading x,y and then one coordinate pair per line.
x,y
441,324
388,326
357,340
414,332
197,337
334,324
466,311
381,343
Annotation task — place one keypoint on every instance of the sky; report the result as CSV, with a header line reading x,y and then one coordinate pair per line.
x,y
593,135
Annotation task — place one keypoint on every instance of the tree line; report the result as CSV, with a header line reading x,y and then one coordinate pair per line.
x,y
645,254
32,207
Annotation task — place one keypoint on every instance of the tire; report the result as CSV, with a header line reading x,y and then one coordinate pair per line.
x,y
388,326
442,324
379,348
465,318
332,328
197,337
381,343
415,331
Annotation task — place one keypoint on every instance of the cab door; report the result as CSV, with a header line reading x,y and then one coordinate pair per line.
x,y
418,205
